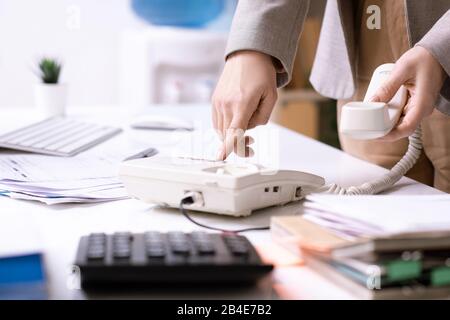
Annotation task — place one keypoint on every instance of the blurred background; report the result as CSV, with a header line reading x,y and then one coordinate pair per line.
x,y
137,53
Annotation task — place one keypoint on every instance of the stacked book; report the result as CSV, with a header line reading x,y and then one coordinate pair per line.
x,y
369,256
22,268
22,276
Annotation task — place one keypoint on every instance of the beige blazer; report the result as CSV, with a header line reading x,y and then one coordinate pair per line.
x,y
274,26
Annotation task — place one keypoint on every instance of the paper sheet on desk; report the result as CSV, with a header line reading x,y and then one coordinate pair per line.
x,y
380,215
34,167
43,168
88,177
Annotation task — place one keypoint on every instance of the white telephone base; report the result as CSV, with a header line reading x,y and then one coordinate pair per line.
x,y
221,187
371,120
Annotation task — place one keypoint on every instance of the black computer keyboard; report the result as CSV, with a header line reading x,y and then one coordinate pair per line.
x,y
167,258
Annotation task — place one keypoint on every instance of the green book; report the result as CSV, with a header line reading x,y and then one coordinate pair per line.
x,y
440,276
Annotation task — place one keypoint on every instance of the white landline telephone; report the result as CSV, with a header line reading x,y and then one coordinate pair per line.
x,y
216,186
236,189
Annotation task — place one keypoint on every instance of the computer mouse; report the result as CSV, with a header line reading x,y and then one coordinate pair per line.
x,y
157,122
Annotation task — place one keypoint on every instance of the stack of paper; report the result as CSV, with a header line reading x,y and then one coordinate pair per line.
x,y
380,215
88,177
374,246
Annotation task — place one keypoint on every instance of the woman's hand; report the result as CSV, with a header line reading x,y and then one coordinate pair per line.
x,y
423,77
243,99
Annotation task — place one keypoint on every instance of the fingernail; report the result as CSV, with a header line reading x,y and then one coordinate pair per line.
x,y
219,155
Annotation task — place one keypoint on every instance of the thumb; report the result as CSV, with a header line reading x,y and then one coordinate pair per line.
x,y
389,88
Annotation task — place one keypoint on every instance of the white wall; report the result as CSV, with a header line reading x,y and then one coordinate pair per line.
x,y
31,28
83,33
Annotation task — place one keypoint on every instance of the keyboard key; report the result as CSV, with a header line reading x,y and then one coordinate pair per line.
x,y
233,239
239,250
177,236
95,248
121,243
121,248
200,235
94,254
180,249
96,244
122,236
203,244
154,244
236,244
156,253
206,249
153,236
97,239
179,245
122,254
97,235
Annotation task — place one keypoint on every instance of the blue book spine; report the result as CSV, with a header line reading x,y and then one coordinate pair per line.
x,y
22,277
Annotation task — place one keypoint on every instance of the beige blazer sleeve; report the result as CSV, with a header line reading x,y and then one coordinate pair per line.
x,y
437,41
269,26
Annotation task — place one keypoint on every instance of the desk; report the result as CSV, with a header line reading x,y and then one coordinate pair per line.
x,y
60,226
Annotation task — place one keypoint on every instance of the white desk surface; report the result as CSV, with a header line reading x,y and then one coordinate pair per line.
x,y
60,226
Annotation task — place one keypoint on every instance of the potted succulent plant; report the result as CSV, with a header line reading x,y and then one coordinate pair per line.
x,y
50,95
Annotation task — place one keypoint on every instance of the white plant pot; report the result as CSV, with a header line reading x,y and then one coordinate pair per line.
x,y
50,99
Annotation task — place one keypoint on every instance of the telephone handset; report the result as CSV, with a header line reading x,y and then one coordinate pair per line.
x,y
371,120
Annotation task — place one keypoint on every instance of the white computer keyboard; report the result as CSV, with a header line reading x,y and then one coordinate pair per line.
x,y
57,136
